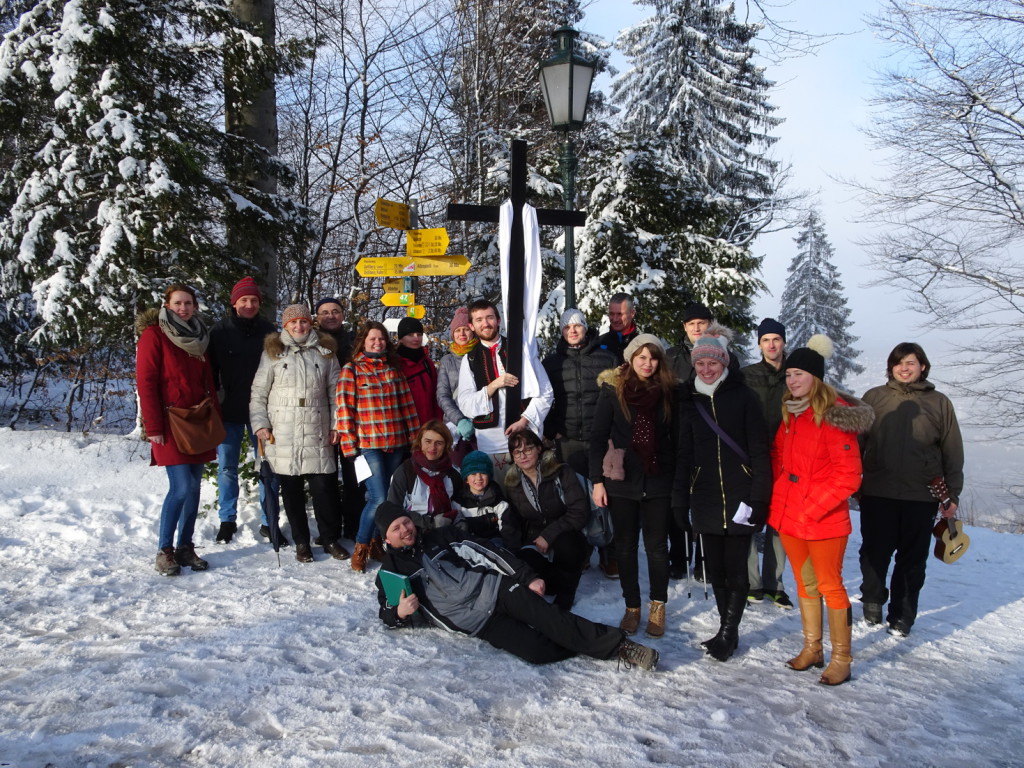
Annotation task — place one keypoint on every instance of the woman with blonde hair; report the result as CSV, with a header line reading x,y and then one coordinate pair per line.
x,y
632,467
816,467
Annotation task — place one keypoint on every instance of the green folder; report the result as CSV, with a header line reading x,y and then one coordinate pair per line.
x,y
394,584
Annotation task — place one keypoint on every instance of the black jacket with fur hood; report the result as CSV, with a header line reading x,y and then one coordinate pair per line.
x,y
563,505
610,423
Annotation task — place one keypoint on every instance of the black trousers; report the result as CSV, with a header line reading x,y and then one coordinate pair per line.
x,y
725,561
889,526
561,574
526,625
629,518
353,497
326,507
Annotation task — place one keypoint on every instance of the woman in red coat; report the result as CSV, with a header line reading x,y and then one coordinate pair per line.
x,y
816,466
173,369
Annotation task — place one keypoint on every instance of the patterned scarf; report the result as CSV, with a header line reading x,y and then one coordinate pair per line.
x,y
643,440
433,473
191,337
462,349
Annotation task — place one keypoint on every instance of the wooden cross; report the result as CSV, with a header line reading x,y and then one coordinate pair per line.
x,y
516,266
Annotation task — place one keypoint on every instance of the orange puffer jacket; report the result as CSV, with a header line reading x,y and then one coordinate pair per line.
x,y
816,470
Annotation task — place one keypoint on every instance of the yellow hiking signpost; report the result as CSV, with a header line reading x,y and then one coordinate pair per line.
x,y
402,266
398,299
417,311
426,242
391,214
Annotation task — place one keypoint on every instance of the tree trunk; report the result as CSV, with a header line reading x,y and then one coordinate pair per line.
x,y
254,117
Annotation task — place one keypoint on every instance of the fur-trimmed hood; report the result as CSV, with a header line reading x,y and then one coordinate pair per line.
x,y
275,347
145,319
610,376
855,416
549,465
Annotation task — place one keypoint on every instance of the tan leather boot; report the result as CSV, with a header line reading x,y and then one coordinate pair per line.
x,y
838,669
656,618
630,621
359,557
811,655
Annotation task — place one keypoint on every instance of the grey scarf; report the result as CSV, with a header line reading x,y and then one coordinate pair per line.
x,y
191,337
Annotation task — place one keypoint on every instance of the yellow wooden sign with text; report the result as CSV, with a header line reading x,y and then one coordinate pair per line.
x,y
416,312
391,214
392,266
426,242
398,299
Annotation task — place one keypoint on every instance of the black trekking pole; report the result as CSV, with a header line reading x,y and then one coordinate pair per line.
x,y
686,543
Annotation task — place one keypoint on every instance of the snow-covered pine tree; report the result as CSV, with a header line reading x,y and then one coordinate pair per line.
x,y
696,112
112,178
813,302
639,240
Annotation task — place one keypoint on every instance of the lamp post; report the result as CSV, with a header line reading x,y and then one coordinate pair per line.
x,y
565,79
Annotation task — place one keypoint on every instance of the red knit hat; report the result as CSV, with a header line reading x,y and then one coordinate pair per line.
x,y
245,287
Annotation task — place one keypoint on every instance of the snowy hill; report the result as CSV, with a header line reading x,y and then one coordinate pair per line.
x,y
103,662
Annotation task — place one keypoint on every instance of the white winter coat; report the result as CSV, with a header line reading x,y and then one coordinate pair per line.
x,y
293,397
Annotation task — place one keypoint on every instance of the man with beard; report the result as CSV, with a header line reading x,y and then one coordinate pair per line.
x,y
483,380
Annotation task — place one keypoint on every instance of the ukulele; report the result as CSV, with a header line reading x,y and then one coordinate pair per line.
x,y
950,540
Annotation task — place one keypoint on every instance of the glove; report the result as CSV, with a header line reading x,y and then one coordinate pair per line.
x,y
758,514
682,517
465,428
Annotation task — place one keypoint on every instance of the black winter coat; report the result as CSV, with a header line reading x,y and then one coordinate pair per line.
x,y
573,374
236,346
611,423
615,344
711,478
561,511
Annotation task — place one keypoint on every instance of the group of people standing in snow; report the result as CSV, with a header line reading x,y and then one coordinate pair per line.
x,y
682,446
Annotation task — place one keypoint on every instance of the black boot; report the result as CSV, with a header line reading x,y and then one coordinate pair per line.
x,y
721,599
226,532
723,645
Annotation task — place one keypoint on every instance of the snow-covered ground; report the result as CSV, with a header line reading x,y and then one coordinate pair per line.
x,y
105,663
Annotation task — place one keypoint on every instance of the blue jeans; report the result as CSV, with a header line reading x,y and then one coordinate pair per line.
x,y
181,504
383,464
228,454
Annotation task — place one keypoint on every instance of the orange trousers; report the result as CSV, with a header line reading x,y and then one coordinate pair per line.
x,y
818,568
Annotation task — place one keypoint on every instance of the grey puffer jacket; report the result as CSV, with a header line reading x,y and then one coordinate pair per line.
x,y
448,386
293,397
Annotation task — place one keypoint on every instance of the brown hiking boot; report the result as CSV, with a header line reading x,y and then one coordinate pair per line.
x,y
810,655
656,619
376,549
839,630
186,557
335,550
360,556
635,655
630,621
165,563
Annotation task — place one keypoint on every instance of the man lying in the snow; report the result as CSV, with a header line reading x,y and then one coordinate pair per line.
x,y
467,585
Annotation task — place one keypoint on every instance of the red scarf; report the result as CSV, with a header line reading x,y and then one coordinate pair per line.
x,y
433,473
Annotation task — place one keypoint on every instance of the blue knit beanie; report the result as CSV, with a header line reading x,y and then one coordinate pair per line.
x,y
477,461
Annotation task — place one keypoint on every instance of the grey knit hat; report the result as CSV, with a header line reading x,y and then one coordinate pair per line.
x,y
573,317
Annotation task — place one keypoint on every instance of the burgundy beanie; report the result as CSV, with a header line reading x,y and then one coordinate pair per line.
x,y
245,287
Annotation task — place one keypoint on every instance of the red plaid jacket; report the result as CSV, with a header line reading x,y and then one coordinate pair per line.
x,y
374,407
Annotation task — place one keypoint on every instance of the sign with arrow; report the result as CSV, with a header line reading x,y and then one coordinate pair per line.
x,y
398,299
391,214
417,312
400,266
426,242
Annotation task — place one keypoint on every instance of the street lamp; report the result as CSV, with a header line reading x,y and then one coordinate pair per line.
x,y
565,79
